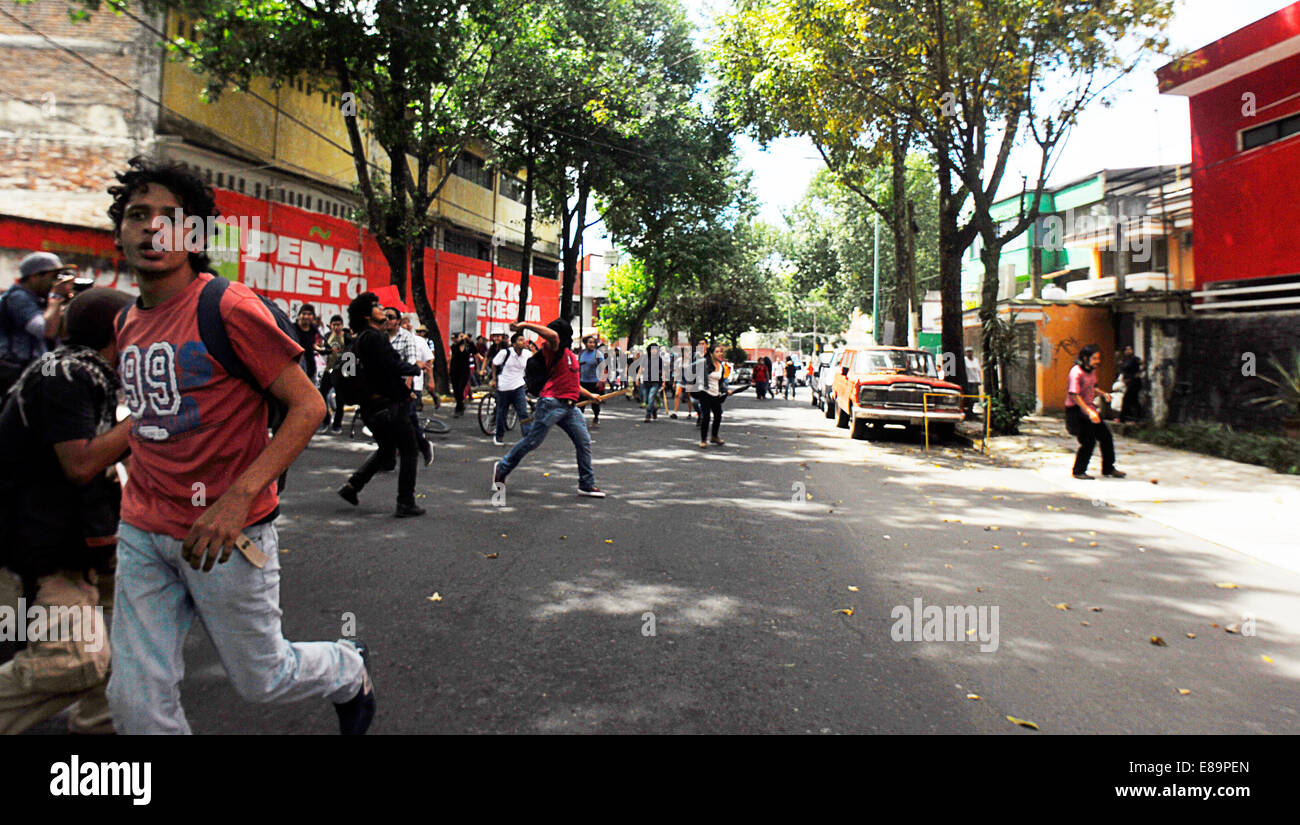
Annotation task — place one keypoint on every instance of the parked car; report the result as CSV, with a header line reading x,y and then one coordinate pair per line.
x,y
820,367
743,372
875,386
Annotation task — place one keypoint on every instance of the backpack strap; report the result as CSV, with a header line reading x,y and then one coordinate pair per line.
x,y
212,329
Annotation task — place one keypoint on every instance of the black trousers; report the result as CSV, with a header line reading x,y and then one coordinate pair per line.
x,y
394,433
1089,435
710,405
326,384
1131,409
591,386
459,381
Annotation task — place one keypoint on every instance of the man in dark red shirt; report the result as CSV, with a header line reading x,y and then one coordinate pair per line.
x,y
202,471
556,405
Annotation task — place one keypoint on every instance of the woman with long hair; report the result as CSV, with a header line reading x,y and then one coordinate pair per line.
x,y
1082,418
711,373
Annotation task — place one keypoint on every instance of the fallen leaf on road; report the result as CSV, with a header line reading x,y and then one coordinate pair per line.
x,y
609,541
490,555
1226,585
436,597
1085,624
1024,544
503,535
562,538
1155,481
948,566
284,550
853,588
1029,561
1092,544
1265,658
1214,624
1232,628
997,547
847,611
1070,540
973,696
1159,642
979,590
885,537
1095,609
546,475
1062,606
1024,723
1183,691
1191,635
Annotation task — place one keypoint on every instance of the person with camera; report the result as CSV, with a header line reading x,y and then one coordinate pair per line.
x,y
30,313
59,503
385,405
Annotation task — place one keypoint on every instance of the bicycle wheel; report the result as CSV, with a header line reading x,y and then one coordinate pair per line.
x,y
512,418
487,414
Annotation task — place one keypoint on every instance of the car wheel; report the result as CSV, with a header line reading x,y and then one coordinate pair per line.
x,y
828,407
841,419
860,428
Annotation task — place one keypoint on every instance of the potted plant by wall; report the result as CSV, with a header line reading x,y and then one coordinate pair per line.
x,y
1287,395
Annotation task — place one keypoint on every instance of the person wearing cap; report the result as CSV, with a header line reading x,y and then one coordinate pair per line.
x,y
29,313
59,502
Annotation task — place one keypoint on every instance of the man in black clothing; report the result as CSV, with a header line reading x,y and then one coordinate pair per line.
x,y
308,335
384,405
461,368
1131,371
338,340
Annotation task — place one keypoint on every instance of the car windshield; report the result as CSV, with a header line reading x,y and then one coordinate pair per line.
x,y
906,362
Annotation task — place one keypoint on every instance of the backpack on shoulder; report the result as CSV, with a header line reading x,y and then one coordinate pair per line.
x,y
536,372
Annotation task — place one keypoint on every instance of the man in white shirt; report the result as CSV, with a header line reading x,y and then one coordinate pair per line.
x,y
413,351
974,377
508,378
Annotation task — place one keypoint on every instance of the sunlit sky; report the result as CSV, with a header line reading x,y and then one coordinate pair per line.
x,y
1142,128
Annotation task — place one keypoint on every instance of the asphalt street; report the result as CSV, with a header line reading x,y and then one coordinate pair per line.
x,y
773,567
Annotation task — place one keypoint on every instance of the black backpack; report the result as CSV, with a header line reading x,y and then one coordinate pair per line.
x,y
537,372
349,375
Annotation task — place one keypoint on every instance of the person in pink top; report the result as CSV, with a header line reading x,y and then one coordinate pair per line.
x,y
1082,418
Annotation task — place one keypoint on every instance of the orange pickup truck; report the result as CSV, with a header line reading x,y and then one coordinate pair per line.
x,y
875,386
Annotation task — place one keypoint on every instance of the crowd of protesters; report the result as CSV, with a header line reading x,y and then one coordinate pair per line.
x,y
150,542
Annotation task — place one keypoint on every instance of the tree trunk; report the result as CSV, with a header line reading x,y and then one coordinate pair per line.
x,y
530,166
901,228
572,247
954,365
914,334
990,255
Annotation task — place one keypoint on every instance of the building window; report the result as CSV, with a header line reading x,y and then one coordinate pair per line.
x,y
543,268
510,259
472,168
207,175
257,189
512,188
241,186
469,246
1270,132
299,200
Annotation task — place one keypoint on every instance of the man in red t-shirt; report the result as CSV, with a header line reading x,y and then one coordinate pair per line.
x,y
202,471
556,405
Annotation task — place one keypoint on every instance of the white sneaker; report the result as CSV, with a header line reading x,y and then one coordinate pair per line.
x,y
594,492
498,442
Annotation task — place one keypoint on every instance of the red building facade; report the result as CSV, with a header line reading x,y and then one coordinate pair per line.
x,y
1244,98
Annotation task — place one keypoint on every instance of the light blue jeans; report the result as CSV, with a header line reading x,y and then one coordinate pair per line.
x,y
550,413
158,595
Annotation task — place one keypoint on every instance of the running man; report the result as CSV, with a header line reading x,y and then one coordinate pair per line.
x,y
202,471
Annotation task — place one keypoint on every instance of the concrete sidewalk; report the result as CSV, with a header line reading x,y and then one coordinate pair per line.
x,y
1246,508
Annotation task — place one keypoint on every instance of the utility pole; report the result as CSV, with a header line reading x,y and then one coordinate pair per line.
x,y
875,286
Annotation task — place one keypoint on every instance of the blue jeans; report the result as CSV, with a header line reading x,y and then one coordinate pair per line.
x,y
156,598
505,398
550,413
650,396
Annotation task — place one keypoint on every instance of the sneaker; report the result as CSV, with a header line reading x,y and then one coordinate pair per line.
x,y
497,478
498,442
647,419
426,449
348,494
408,511
704,444
356,714
1084,476
1115,474
591,492
718,441
674,415
595,423
336,429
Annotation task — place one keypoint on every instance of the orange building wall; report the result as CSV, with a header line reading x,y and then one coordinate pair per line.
x,y
1069,328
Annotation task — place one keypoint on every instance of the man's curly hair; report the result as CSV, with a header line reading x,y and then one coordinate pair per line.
x,y
194,194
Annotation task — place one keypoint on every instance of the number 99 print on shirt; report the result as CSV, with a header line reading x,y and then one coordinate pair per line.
x,y
192,421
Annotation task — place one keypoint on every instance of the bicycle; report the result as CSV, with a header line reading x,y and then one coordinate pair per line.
x,y
487,413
